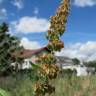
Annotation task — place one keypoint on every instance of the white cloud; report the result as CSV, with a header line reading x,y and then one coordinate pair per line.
x,y
1,1
31,25
18,3
3,14
36,11
82,51
27,44
83,3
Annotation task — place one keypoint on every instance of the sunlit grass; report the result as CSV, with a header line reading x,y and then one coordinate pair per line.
x,y
66,86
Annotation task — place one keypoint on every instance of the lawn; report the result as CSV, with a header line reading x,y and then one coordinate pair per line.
x,y
4,93
66,86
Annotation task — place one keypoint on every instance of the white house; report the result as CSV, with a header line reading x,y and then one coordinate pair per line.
x,y
63,62
67,63
28,56
81,70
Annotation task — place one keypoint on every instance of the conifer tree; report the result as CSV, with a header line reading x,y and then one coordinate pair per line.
x,y
8,44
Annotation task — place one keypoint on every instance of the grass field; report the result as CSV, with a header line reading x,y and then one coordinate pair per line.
x,y
74,86
4,93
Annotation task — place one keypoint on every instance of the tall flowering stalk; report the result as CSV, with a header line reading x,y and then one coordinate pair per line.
x,y
48,69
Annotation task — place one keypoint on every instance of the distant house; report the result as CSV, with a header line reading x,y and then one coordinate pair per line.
x,y
29,55
80,70
67,63
63,62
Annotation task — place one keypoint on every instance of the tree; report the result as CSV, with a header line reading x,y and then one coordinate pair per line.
x,y
90,64
8,44
68,72
76,61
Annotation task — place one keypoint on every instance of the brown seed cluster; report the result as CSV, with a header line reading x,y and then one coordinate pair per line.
x,y
51,71
43,89
56,45
48,67
47,59
57,27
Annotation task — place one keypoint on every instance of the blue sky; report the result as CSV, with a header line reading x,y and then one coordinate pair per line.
x,y
81,25
23,15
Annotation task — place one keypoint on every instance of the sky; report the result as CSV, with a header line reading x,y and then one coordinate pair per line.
x,y
29,20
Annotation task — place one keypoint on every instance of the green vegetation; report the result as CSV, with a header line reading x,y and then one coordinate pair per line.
x,y
76,61
4,93
90,64
8,44
68,72
74,86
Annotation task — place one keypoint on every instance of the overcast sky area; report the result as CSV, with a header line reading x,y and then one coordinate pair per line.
x,y
29,21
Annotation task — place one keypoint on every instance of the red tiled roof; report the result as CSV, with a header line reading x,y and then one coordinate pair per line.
x,y
25,53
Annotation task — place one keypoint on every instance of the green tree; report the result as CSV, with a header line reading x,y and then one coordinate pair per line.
x,y
8,44
90,64
76,61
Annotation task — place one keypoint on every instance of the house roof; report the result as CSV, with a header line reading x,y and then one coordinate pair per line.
x,y
26,53
63,59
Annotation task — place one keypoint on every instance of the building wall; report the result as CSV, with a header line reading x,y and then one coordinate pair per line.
x,y
81,71
32,59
